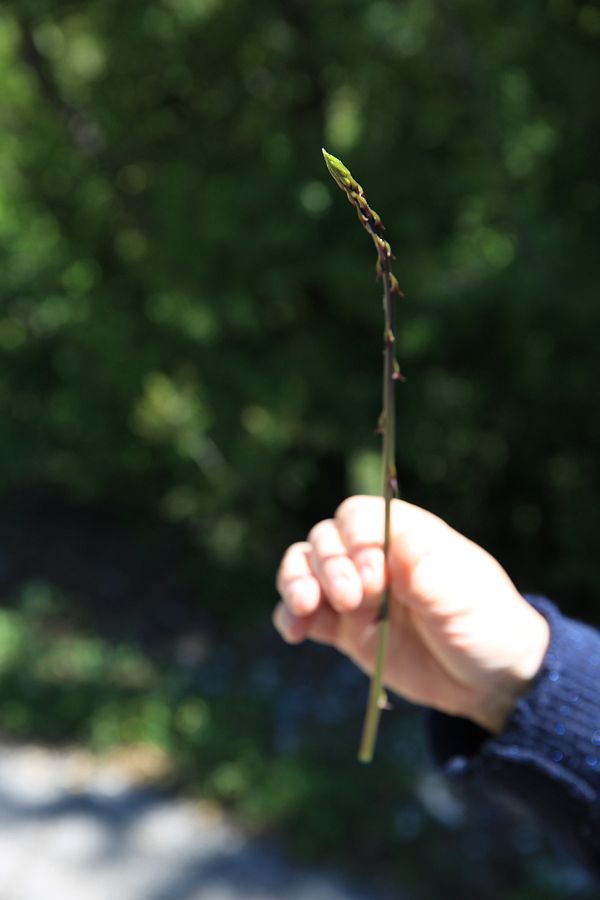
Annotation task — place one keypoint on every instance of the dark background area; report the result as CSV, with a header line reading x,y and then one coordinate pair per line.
x,y
190,338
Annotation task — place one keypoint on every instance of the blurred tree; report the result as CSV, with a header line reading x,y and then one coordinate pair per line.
x,y
188,323
188,329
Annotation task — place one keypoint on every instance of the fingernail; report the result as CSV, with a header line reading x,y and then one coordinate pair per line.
x,y
339,584
367,574
278,619
286,625
345,593
294,596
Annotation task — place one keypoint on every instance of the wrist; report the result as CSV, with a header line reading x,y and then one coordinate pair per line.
x,y
498,703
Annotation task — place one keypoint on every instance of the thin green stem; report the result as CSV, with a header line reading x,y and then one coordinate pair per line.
x,y
377,698
391,373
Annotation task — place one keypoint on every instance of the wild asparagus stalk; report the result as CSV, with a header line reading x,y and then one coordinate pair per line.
x,y
387,426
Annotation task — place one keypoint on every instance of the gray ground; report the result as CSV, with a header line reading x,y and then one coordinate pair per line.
x,y
72,829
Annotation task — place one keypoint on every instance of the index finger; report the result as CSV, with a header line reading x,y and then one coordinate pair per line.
x,y
360,521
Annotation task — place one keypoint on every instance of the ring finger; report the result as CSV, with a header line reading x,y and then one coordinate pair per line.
x,y
334,569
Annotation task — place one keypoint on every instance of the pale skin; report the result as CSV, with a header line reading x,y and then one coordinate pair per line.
x,y
462,639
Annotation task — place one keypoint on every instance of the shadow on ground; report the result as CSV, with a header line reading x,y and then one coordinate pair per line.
x,y
69,831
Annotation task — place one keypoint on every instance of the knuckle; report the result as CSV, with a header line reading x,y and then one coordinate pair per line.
x,y
361,522
355,508
293,553
347,507
299,547
279,580
318,531
285,564
296,565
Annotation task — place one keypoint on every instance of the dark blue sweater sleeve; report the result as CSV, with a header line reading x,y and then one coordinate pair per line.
x,y
548,756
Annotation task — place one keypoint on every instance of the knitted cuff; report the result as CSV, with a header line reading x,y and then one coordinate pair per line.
x,y
548,756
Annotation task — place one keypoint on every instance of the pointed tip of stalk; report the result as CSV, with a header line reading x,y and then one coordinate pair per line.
x,y
338,171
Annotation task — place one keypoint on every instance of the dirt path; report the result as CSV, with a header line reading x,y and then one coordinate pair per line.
x,y
75,830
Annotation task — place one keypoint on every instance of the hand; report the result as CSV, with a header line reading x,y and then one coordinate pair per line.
x,y
462,639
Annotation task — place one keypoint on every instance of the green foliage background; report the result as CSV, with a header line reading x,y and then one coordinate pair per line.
x,y
189,325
